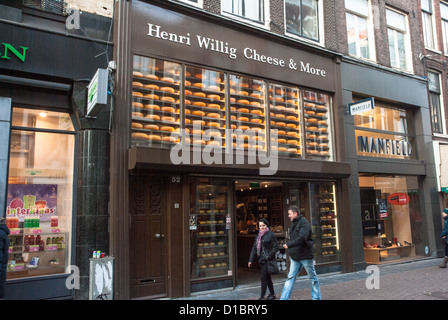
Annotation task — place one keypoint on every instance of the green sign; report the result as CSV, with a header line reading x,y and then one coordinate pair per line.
x,y
445,189
8,48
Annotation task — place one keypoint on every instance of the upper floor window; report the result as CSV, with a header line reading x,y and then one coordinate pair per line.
x,y
196,3
250,10
428,25
359,29
444,15
435,98
399,42
302,18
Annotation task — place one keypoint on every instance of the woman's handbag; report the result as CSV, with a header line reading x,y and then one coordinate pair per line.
x,y
272,265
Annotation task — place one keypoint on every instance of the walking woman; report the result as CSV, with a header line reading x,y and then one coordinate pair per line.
x,y
265,247
444,236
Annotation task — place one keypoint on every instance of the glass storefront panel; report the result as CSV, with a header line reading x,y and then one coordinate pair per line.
x,y
391,218
155,102
210,229
159,114
40,193
285,114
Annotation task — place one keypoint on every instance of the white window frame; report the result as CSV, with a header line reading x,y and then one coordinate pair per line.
x,y
441,104
444,24
321,35
264,25
433,29
370,33
407,41
200,3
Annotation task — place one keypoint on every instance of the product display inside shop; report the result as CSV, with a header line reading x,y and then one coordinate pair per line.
x,y
210,227
39,196
299,122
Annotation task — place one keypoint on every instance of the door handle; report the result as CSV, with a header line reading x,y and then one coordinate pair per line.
x,y
158,235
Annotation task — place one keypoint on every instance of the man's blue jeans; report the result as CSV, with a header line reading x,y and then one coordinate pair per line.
x,y
294,269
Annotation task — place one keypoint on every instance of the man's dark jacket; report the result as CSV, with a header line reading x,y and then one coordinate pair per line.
x,y
300,244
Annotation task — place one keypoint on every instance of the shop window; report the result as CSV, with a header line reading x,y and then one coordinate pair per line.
x,y
205,112
302,18
40,193
210,229
399,42
285,114
359,29
155,102
428,24
317,125
385,132
247,113
391,218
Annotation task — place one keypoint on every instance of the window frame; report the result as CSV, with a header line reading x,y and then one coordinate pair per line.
x,y
370,34
320,25
444,26
199,4
260,24
407,42
428,16
436,95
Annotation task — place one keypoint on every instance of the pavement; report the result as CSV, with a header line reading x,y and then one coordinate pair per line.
x,y
412,280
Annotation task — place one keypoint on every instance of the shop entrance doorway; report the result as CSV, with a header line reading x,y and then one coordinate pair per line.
x,y
255,200
148,266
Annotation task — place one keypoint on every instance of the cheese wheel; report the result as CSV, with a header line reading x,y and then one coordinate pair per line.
x,y
258,112
311,136
198,113
324,153
151,96
151,127
151,86
199,103
199,85
137,114
167,129
137,105
243,145
167,79
322,122
201,142
137,94
170,119
137,84
136,125
169,139
320,114
169,99
213,143
292,142
243,101
152,117
280,124
152,107
167,89
322,137
214,106
281,132
256,120
292,150
187,83
198,122
214,88
291,125
244,127
243,93
151,76
256,87
255,95
139,136
244,85
199,94
200,76
214,97
255,103
213,124
243,110
154,137
281,140
280,115
243,119
291,117
168,109
312,128
279,99
322,129
137,74
323,145
213,115
312,120
281,149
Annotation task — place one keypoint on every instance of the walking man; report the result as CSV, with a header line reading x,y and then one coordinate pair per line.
x,y
300,249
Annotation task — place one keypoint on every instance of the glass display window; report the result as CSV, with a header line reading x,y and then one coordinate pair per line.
x,y
285,118
40,193
205,111
317,125
155,102
210,229
247,113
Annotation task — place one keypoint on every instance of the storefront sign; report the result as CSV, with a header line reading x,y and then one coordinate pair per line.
x,y
31,200
162,32
97,92
398,199
7,50
384,147
361,106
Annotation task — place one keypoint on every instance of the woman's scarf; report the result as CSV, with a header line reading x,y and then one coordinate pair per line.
x,y
260,235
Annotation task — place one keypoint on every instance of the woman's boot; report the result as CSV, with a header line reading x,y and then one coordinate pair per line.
x,y
445,260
